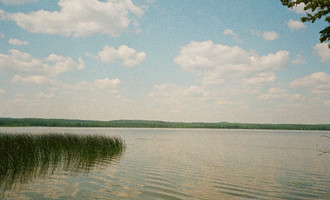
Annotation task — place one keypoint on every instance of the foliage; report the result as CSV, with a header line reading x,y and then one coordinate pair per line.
x,y
319,9
153,124
25,157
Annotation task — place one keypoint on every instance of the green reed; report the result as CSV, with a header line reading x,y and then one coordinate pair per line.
x,y
24,157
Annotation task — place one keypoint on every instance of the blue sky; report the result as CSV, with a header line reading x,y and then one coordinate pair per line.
x,y
208,61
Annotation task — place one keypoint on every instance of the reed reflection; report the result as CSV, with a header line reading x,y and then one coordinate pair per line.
x,y
25,157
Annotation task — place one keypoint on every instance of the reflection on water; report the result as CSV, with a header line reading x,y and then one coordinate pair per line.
x,y
25,157
190,164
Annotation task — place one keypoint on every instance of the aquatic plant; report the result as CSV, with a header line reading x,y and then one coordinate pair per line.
x,y
28,156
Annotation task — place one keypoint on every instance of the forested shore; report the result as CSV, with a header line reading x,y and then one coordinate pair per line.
x,y
18,122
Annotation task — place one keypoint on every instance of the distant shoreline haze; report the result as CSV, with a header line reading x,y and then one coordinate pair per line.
x,y
20,122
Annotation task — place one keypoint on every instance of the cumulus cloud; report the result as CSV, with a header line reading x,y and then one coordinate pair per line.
x,y
42,95
273,93
267,35
100,84
312,80
299,60
128,56
177,98
214,63
261,78
279,94
169,96
2,91
177,92
232,33
299,8
61,64
296,25
194,91
17,2
17,42
31,79
52,65
189,100
80,18
107,83
164,90
323,51
19,61
224,102
316,83
270,35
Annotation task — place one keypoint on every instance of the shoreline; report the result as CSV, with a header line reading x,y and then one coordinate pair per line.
x,y
44,122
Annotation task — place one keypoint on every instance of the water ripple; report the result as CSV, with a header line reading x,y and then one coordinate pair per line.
x,y
194,164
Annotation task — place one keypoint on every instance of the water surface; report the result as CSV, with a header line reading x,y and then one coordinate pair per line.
x,y
192,164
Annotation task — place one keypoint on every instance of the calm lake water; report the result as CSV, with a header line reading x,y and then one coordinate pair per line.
x,y
190,164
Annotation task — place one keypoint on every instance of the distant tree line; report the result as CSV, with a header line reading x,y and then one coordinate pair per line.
x,y
12,122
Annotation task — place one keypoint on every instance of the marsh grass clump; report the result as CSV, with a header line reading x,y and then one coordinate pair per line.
x,y
28,156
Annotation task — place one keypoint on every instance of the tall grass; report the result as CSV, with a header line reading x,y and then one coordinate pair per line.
x,y
24,157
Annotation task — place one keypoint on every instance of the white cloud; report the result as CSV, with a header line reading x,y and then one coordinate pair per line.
x,y
296,25
311,80
177,93
215,63
17,2
42,95
212,78
129,56
299,8
224,102
101,84
61,64
186,101
267,35
255,32
80,18
172,98
322,90
107,83
323,51
299,60
31,79
194,91
279,94
317,83
52,65
17,42
261,78
273,93
4,15
19,61
165,90
83,85
2,91
270,35
232,33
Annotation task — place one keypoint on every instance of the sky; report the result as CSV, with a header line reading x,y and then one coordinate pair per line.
x,y
249,61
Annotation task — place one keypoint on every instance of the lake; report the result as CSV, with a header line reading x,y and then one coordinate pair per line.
x,y
189,164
